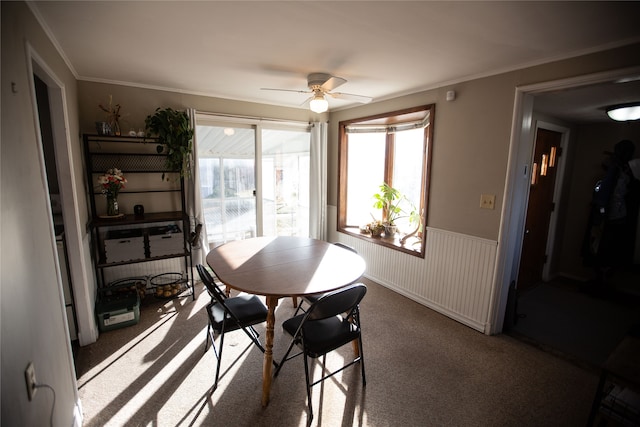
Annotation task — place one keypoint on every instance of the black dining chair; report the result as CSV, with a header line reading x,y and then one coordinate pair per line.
x,y
328,324
228,314
310,299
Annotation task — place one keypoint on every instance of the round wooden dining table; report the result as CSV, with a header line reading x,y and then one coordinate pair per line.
x,y
283,266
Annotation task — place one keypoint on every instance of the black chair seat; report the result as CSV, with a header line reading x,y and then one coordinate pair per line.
x,y
323,336
248,309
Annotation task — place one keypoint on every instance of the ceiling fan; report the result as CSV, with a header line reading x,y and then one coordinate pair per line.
x,y
321,85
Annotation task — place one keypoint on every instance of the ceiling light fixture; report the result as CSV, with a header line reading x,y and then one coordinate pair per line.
x,y
624,112
318,104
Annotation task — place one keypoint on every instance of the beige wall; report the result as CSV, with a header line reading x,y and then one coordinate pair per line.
x,y
470,148
32,316
472,137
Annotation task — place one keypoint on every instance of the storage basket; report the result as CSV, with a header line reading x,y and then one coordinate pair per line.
x,y
168,285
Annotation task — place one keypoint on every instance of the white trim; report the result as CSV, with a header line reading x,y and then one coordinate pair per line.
x,y
79,264
221,118
47,30
257,168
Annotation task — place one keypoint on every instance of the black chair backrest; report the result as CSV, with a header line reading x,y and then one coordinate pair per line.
x,y
213,289
343,300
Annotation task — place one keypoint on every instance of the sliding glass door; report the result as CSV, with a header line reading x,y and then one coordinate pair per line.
x,y
254,180
226,162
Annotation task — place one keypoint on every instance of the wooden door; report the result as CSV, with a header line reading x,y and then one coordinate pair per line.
x,y
540,206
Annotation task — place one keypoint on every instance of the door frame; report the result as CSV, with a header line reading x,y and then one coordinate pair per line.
x,y
515,195
78,260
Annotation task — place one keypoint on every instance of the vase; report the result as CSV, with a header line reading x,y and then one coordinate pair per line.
x,y
112,205
115,127
390,230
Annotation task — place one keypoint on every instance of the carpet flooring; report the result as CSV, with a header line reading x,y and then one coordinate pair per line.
x,y
565,317
422,368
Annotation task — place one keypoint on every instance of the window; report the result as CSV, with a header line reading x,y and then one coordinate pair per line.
x,y
392,148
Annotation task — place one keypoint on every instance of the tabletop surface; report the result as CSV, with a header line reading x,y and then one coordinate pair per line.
x,y
285,266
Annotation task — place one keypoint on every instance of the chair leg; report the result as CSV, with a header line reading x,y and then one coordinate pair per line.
x,y
219,354
299,307
206,343
284,358
364,379
254,337
306,376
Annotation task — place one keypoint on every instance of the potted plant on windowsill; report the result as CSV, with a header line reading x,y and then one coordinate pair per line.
x,y
391,201
175,135
388,199
375,228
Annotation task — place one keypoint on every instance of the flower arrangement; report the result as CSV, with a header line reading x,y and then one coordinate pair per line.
x,y
112,182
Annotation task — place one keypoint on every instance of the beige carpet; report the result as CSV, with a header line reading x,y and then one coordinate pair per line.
x,y
423,369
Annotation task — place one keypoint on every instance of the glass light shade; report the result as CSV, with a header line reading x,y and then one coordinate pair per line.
x,y
318,104
623,113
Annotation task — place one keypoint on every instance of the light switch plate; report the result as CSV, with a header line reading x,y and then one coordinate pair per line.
x,y
487,201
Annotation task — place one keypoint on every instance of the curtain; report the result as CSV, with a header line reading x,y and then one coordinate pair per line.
x,y
318,182
200,248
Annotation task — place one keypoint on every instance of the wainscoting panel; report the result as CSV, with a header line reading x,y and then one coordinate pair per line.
x,y
455,278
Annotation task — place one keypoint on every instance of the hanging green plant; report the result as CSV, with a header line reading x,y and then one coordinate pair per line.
x,y
174,133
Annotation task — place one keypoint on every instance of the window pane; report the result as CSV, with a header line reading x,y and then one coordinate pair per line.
x,y
285,182
227,180
365,157
407,170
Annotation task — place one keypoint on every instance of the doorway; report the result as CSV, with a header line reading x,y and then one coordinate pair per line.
x,y
254,180
48,149
77,251
554,309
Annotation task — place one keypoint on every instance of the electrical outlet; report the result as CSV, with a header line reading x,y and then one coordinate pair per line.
x,y
487,201
30,379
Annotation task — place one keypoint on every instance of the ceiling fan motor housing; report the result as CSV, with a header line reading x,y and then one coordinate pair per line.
x,y
316,80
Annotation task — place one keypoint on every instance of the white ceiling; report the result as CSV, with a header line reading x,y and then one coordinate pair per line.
x,y
232,49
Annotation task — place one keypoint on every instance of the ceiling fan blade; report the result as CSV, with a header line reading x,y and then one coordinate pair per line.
x,y
286,90
332,83
351,97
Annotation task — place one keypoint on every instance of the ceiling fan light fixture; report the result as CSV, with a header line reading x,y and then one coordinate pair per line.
x,y
624,112
319,104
